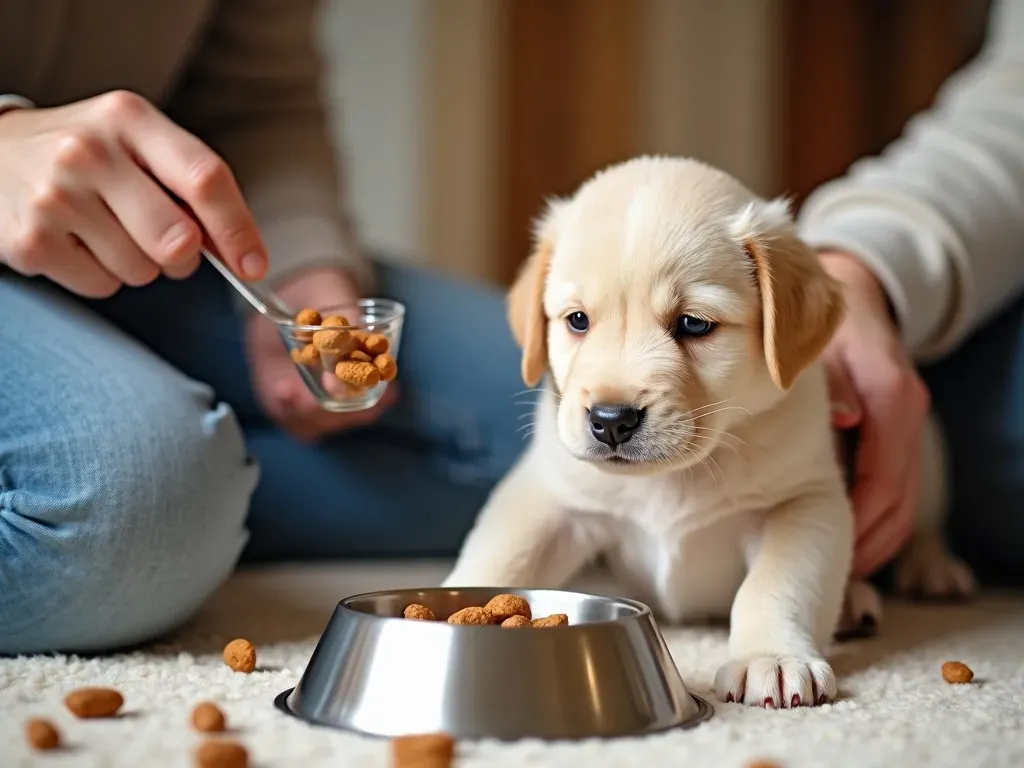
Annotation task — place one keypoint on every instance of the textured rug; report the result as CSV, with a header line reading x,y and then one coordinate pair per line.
x,y
895,709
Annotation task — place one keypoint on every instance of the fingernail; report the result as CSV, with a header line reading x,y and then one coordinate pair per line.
x,y
253,266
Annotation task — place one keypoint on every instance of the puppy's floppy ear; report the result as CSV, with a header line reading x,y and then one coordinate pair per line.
x,y
526,313
801,304
526,299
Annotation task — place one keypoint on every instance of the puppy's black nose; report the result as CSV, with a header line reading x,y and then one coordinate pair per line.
x,y
614,424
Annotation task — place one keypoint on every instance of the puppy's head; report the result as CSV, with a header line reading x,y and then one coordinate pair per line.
x,y
667,302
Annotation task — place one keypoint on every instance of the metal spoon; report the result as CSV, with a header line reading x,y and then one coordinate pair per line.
x,y
267,303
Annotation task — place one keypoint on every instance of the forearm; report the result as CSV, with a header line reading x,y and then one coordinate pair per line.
x,y
939,217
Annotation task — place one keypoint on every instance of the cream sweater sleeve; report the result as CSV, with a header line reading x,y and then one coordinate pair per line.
x,y
253,93
939,216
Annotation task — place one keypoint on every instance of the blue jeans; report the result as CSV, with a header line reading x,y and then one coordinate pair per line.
x,y
136,468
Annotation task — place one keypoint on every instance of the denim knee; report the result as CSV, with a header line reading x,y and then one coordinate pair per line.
x,y
122,508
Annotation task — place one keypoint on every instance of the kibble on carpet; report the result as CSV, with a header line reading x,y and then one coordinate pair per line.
x,y
895,709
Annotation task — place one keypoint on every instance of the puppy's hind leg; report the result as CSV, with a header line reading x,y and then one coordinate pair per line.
x,y
926,569
522,537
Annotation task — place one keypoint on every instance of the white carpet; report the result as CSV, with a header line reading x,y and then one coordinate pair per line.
x,y
895,708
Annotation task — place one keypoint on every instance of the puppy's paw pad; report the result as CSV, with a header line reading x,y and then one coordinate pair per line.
x,y
933,573
776,682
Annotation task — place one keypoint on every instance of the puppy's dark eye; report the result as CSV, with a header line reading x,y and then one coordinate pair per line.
x,y
578,322
688,326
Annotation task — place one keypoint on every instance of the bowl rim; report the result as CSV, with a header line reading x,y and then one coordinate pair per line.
x,y
396,315
642,609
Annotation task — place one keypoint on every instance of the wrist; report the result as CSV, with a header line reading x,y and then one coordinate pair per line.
x,y
857,277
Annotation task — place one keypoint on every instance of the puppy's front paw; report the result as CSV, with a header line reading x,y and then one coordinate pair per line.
x,y
928,571
776,681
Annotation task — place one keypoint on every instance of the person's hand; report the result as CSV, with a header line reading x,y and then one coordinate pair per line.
x,y
874,386
279,390
84,200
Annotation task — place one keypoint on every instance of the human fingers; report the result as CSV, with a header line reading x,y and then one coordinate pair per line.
x,y
196,175
895,405
102,234
845,402
160,228
68,263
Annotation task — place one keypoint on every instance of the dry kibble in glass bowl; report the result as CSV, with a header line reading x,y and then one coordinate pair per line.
x,y
347,356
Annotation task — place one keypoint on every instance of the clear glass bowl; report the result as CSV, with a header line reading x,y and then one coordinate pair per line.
x,y
317,350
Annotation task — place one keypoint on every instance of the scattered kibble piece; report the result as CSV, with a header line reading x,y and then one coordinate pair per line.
x,y
308,355
357,374
506,606
516,621
472,615
957,672
221,753
764,764
376,344
419,612
385,364
208,718
42,734
432,750
94,702
240,655
554,620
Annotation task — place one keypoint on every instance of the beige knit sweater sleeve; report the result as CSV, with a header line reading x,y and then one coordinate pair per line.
x,y
253,93
939,216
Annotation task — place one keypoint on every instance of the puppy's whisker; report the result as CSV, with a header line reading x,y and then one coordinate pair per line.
x,y
721,432
537,391
719,410
705,407
712,438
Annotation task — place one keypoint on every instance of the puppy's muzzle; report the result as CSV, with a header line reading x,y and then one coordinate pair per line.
x,y
614,424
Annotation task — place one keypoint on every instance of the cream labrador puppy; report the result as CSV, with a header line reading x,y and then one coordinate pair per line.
x,y
684,434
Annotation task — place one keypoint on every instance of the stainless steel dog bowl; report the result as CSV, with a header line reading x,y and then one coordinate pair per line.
x,y
609,673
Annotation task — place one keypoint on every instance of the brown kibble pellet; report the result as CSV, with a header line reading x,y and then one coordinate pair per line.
x,y
357,374
306,317
221,753
387,367
419,612
208,718
240,655
359,337
308,355
472,616
429,750
554,620
331,341
42,734
94,702
506,606
763,764
516,621
376,344
359,356
335,321
957,672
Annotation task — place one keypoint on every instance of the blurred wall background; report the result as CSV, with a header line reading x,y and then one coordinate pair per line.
x,y
456,118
